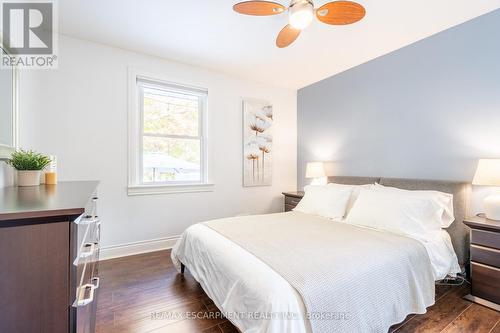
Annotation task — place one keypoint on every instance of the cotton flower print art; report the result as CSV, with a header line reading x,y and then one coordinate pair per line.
x,y
257,143
264,143
268,111
252,154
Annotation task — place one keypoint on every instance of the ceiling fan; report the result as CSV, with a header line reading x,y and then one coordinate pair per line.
x,y
301,13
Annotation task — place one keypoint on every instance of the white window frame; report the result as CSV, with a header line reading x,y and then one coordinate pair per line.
x,y
136,186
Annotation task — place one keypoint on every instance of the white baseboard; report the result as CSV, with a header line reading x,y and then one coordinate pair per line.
x,y
123,250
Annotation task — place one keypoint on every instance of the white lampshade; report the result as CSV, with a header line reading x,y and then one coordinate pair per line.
x,y
487,172
315,170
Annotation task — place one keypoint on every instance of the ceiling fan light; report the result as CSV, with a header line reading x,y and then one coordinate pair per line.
x,y
301,14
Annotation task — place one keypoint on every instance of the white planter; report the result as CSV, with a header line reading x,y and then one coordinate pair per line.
x,y
28,177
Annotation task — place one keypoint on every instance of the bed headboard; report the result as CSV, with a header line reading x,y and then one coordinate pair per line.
x,y
458,231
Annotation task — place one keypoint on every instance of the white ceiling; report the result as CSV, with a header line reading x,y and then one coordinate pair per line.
x,y
209,34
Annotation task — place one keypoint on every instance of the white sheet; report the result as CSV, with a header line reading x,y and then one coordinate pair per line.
x,y
439,247
239,282
442,255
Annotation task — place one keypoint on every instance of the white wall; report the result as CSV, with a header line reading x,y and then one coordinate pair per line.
x,y
79,113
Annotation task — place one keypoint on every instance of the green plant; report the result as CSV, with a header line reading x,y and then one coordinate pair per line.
x,y
28,160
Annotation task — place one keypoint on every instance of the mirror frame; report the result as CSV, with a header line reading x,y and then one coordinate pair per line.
x,y
6,150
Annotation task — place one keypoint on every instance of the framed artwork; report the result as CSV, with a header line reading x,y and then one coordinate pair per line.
x,y
257,143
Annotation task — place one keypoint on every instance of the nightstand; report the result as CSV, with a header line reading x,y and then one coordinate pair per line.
x,y
292,199
485,261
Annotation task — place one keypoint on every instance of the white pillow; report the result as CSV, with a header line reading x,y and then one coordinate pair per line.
x,y
354,193
402,214
323,200
444,200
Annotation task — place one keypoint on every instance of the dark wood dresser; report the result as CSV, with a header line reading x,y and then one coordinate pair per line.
x,y
49,251
485,261
292,199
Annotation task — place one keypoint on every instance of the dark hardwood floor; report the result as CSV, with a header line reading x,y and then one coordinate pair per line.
x,y
137,291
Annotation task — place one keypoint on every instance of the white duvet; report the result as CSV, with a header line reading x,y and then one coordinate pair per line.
x,y
241,284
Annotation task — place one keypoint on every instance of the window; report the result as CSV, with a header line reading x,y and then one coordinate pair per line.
x,y
171,138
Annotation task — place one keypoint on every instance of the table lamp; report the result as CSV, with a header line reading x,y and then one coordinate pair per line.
x,y
316,171
488,174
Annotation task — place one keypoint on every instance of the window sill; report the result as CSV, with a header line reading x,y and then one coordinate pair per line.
x,y
167,189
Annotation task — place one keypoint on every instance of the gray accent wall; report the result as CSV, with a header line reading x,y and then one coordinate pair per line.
x,y
428,110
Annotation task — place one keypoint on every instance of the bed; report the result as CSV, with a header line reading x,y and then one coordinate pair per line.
x,y
370,284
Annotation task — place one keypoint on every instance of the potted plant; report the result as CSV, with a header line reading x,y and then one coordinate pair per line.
x,y
29,165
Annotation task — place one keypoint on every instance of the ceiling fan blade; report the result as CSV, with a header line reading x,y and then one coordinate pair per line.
x,y
340,12
259,8
287,36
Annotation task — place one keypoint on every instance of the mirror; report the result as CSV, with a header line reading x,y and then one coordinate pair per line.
x,y
8,110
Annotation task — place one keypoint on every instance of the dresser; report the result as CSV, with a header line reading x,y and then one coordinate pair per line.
x,y
292,199
49,252
485,261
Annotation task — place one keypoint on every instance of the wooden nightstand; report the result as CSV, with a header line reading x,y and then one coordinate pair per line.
x,y
485,261
292,199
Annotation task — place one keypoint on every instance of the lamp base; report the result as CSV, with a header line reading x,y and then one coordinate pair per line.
x,y
319,181
492,207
